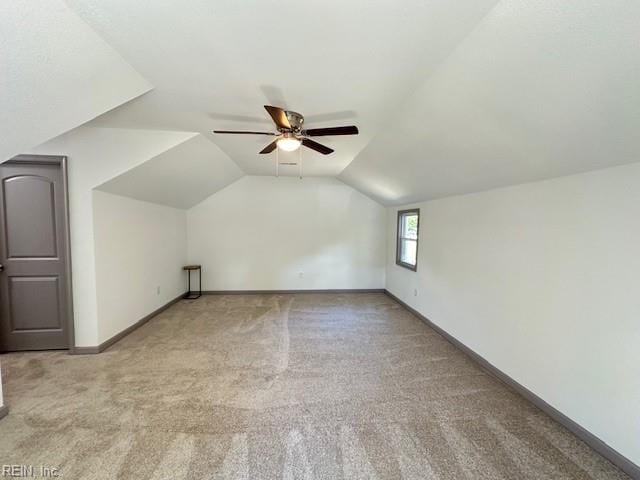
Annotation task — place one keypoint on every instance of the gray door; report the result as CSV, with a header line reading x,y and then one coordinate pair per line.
x,y
34,292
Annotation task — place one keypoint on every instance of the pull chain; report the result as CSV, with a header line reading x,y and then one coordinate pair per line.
x,y
300,162
277,161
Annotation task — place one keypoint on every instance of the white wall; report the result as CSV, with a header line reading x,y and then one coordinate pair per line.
x,y
260,233
139,247
542,280
96,155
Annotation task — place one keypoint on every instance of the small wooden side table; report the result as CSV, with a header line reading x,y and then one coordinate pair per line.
x,y
193,295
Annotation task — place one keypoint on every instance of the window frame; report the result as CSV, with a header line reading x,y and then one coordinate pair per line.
x,y
400,238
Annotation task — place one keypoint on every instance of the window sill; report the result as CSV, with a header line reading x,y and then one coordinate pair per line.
x,y
408,266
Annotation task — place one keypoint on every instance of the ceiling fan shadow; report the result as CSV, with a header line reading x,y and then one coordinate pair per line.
x,y
274,96
331,116
238,118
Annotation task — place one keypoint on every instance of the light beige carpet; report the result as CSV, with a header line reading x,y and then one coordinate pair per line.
x,y
307,386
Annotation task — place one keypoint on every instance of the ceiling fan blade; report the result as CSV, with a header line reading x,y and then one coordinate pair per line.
x,y
279,116
307,142
237,132
269,148
321,132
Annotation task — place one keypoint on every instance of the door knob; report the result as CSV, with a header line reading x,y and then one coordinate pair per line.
x,y
1,268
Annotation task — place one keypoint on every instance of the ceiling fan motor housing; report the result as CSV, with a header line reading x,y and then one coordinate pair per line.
x,y
295,120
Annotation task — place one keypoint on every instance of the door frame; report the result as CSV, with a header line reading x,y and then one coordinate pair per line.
x,y
62,161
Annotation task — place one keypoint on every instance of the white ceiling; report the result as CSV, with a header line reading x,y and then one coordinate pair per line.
x,y
539,89
180,177
450,97
56,73
214,64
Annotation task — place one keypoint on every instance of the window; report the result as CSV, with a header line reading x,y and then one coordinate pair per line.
x,y
407,241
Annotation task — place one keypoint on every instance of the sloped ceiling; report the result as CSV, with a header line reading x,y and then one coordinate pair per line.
x,y
450,97
180,177
215,64
99,154
539,89
56,74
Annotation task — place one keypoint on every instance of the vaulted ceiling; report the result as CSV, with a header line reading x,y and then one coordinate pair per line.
x,y
214,64
181,176
56,74
450,97
538,89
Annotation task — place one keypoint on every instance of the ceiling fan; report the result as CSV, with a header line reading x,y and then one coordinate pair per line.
x,y
291,134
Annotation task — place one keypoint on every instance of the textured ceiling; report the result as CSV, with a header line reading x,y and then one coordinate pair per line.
x,y
56,74
180,177
215,64
450,97
539,89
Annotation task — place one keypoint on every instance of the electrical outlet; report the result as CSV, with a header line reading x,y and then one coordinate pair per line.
x,y
158,290
415,292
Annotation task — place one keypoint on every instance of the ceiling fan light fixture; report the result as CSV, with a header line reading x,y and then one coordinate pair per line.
x,y
288,142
